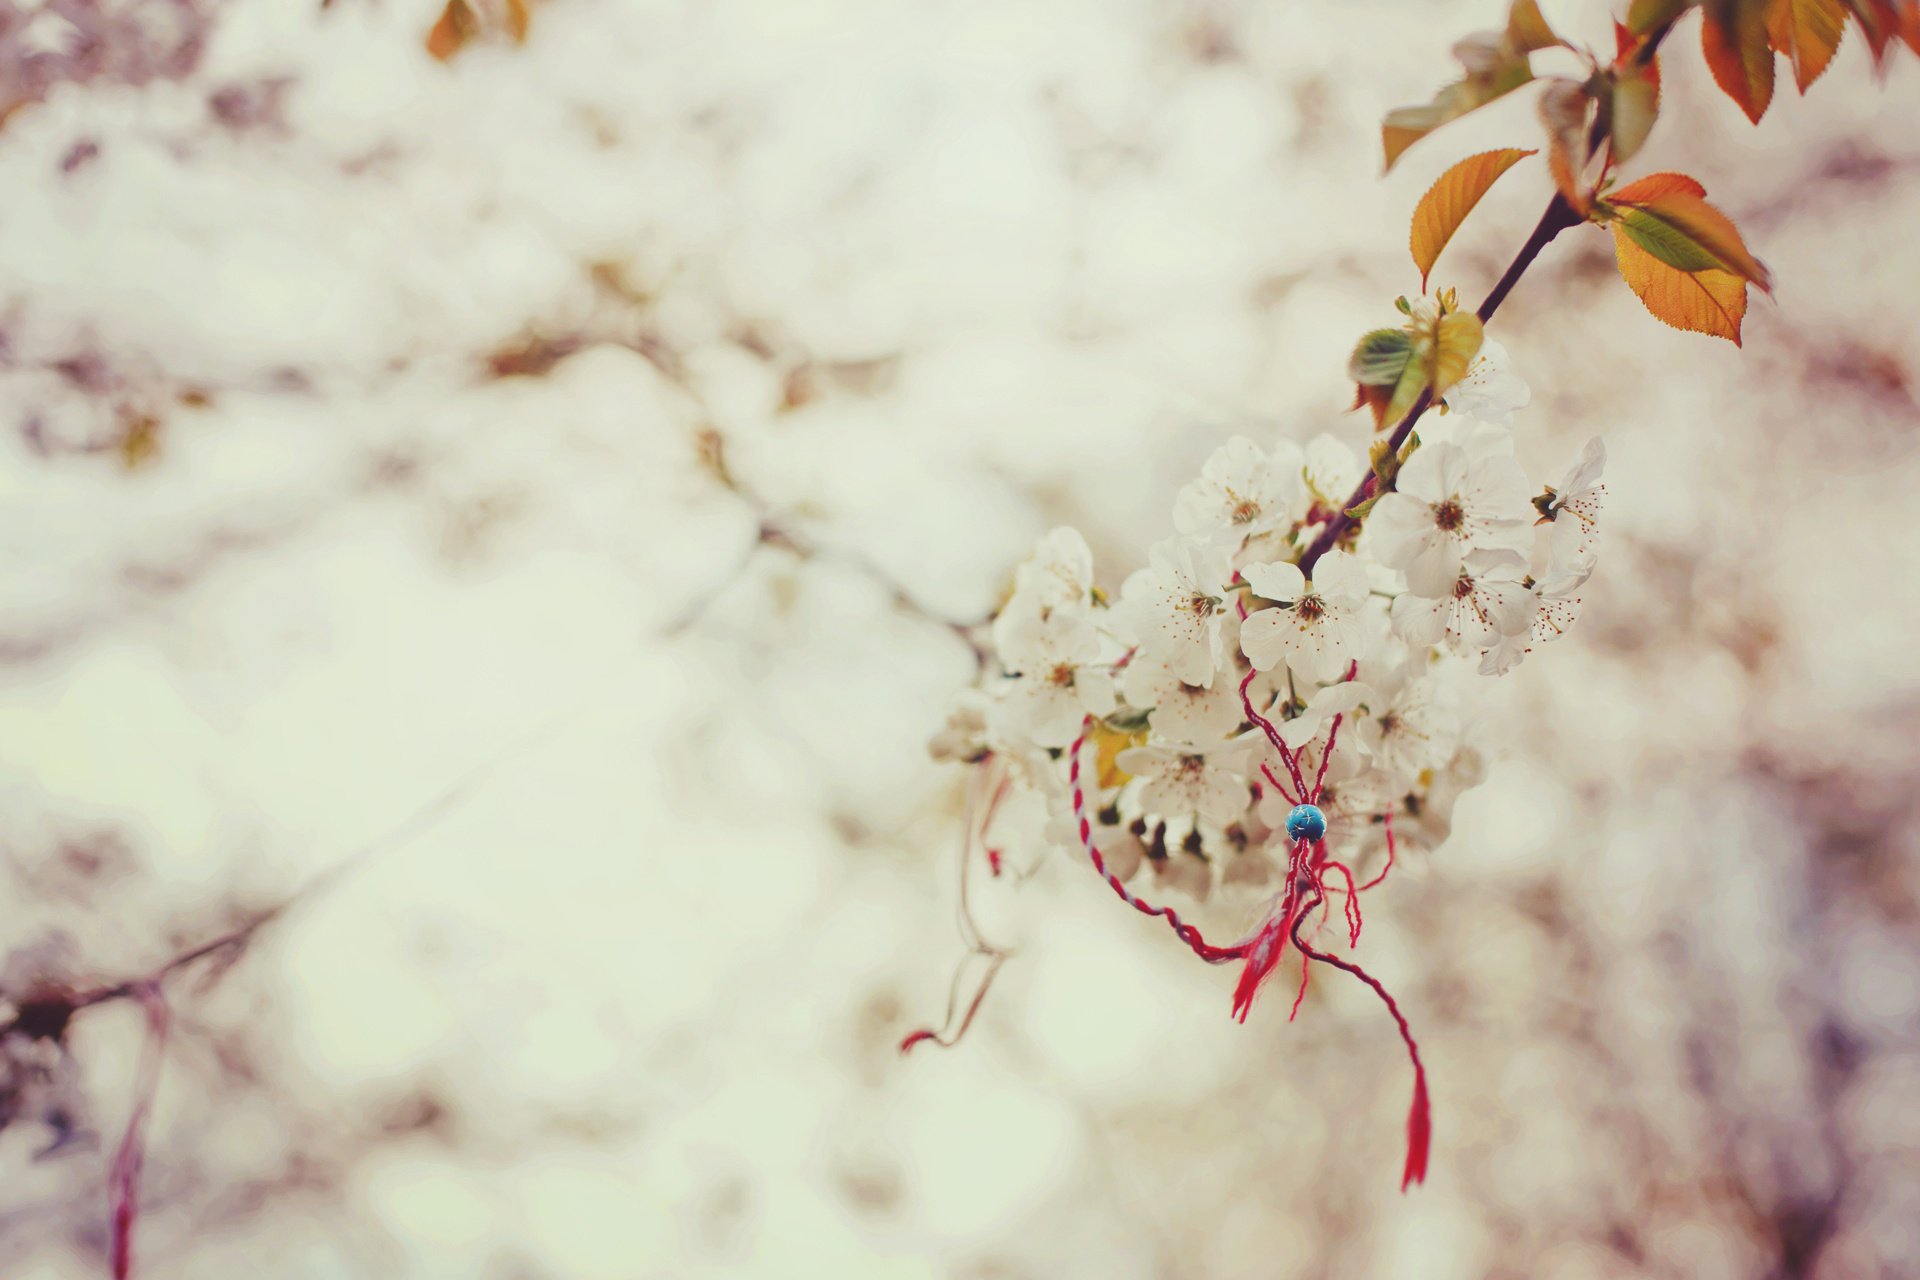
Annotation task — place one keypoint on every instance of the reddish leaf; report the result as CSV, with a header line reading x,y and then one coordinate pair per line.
x,y
1882,20
1734,38
1655,185
1449,200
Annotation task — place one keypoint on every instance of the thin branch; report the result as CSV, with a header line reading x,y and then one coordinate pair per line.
x,y
1558,217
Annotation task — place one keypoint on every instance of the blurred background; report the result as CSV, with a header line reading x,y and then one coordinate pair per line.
x,y
532,460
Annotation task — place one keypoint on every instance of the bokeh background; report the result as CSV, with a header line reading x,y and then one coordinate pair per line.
x,y
540,479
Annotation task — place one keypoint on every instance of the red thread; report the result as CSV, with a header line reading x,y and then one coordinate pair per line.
x,y
1420,1114
1352,903
1386,818
977,945
1269,944
1301,994
1188,934
1273,734
1306,890
1267,769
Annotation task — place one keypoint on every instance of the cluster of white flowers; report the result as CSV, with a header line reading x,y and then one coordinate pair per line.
x,y
1233,620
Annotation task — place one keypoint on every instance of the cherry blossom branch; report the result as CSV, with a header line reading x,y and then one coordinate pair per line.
x,y
1559,216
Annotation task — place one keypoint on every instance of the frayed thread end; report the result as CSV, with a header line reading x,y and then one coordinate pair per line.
x,y
1419,1131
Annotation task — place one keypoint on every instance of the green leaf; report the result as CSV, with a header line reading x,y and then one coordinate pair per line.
x,y
1636,105
1494,67
1644,15
1527,28
1380,358
1667,242
1413,380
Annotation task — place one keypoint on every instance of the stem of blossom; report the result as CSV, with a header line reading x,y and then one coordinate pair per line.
x,y
1558,217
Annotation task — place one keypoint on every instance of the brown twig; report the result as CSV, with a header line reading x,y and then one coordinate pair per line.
x,y
1558,217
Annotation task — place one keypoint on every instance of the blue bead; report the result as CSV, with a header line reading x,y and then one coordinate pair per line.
x,y
1306,822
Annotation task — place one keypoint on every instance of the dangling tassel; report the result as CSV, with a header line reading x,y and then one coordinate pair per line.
x,y
1263,954
1420,1115
1419,1129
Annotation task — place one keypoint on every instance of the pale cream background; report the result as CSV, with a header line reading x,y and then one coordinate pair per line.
x,y
942,274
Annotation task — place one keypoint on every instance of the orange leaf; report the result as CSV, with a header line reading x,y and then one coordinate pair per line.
x,y
517,19
1108,744
1808,32
1709,302
1682,208
455,27
1655,185
1734,38
1449,200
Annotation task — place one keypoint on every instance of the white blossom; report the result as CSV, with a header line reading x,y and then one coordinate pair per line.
x,y
1058,575
964,737
1441,564
1554,608
1177,607
1451,501
1059,572
1490,391
1432,818
1332,472
1058,685
1178,783
1574,507
1242,490
1318,628
1412,724
1484,599
1326,703
1182,712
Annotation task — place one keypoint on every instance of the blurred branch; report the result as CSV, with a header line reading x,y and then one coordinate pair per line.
x,y
782,531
